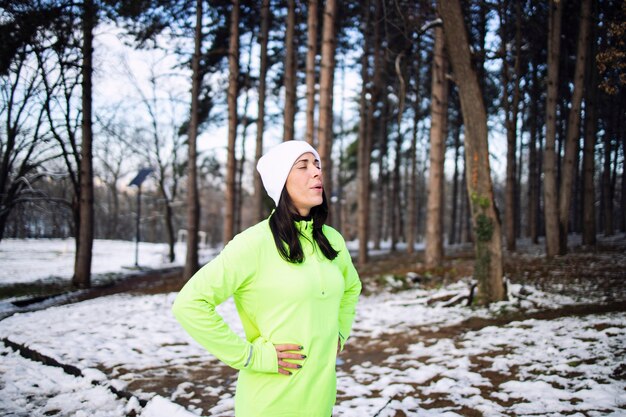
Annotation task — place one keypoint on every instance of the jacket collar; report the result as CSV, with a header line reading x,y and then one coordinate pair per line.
x,y
305,225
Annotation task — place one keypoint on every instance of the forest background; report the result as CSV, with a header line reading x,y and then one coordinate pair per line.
x,y
405,100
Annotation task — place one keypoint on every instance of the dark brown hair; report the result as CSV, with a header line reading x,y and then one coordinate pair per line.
x,y
283,226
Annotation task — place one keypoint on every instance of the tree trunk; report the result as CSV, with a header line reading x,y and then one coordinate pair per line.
x,y
289,113
589,192
169,228
382,177
511,110
488,247
82,265
549,156
245,122
452,236
310,71
607,195
623,202
233,65
533,168
412,194
327,71
375,122
397,207
464,215
364,146
439,111
193,202
573,126
259,191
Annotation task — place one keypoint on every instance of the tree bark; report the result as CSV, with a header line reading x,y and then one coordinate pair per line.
x,y
439,111
412,194
259,191
452,235
488,240
233,65
623,202
82,265
310,71
550,161
289,113
573,127
193,202
245,122
364,147
327,71
397,206
511,110
533,168
381,186
607,191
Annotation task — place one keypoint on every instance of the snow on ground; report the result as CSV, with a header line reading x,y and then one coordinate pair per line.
x,y
557,366
534,367
28,260
29,389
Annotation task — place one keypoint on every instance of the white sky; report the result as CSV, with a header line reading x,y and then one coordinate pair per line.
x,y
113,87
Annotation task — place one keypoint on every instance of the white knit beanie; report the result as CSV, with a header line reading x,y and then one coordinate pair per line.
x,y
275,165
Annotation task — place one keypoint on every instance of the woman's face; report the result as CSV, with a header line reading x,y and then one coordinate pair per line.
x,y
304,183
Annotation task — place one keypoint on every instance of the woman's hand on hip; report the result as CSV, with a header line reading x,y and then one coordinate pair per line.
x,y
286,352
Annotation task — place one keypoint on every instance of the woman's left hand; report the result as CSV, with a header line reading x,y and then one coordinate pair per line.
x,y
284,352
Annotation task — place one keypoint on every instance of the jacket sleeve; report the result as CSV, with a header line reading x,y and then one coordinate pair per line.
x,y
352,283
194,308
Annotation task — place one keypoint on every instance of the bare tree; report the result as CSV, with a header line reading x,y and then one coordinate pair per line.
x,y
84,237
233,89
439,111
260,127
534,182
327,71
453,233
310,70
364,147
160,149
573,126
413,184
245,123
511,110
488,242
23,148
589,147
110,166
549,155
289,112
193,201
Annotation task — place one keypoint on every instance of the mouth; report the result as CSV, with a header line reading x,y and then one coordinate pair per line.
x,y
318,187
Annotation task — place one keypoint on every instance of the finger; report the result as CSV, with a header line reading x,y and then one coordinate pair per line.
x,y
285,347
283,372
285,355
289,365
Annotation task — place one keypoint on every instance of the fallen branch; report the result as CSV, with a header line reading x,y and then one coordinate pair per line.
x,y
384,406
33,355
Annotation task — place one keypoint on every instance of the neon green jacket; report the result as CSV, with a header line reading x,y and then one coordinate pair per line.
x,y
311,304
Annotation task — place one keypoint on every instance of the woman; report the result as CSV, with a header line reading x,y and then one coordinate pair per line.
x,y
295,290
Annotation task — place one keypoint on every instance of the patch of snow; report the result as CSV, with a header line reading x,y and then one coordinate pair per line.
x,y
28,260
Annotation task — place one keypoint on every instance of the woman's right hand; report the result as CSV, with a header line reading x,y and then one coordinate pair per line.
x,y
285,352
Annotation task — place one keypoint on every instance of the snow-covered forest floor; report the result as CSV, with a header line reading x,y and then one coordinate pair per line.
x,y
556,347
